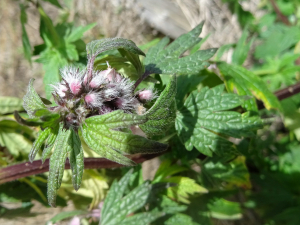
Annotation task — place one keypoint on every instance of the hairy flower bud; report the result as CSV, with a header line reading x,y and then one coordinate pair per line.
x,y
79,96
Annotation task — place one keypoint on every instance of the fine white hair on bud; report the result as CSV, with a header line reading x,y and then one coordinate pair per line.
x,y
86,93
146,95
97,80
60,89
73,79
93,99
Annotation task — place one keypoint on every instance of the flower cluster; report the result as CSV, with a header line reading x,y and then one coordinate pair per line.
x,y
82,94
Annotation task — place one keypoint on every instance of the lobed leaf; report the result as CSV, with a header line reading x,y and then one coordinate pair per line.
x,y
162,114
32,101
203,122
166,60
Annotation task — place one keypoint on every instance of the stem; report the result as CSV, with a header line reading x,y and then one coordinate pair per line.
x,y
282,17
143,77
26,169
18,171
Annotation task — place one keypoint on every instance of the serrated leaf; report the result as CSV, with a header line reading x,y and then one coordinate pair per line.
x,y
203,121
94,48
57,163
99,135
10,104
116,208
76,159
162,114
32,101
165,60
179,219
244,82
38,143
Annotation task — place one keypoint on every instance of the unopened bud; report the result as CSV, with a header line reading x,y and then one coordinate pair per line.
x,y
146,95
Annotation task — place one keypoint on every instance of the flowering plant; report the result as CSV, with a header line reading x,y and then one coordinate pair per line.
x,y
100,108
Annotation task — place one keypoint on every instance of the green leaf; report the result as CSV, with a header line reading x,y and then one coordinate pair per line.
x,y
52,61
185,187
76,159
99,135
244,82
64,215
94,48
10,104
13,137
135,61
166,169
32,101
242,48
49,143
57,163
162,114
25,39
222,50
179,219
54,2
217,174
224,209
116,208
77,33
279,35
204,123
38,143
165,60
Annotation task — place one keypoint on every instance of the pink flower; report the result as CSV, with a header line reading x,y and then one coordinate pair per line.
x,y
146,95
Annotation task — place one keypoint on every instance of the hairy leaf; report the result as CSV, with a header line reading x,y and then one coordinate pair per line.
x,y
76,159
49,143
116,208
10,104
38,143
32,101
94,48
57,163
244,82
203,121
162,114
166,60
99,135
135,61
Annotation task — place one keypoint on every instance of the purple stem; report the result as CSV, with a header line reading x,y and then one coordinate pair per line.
x,y
25,169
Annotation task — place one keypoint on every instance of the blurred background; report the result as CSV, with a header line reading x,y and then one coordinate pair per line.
x,y
267,31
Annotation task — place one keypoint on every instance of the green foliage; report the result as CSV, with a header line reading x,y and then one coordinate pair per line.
x,y
203,122
99,135
116,208
188,187
165,60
